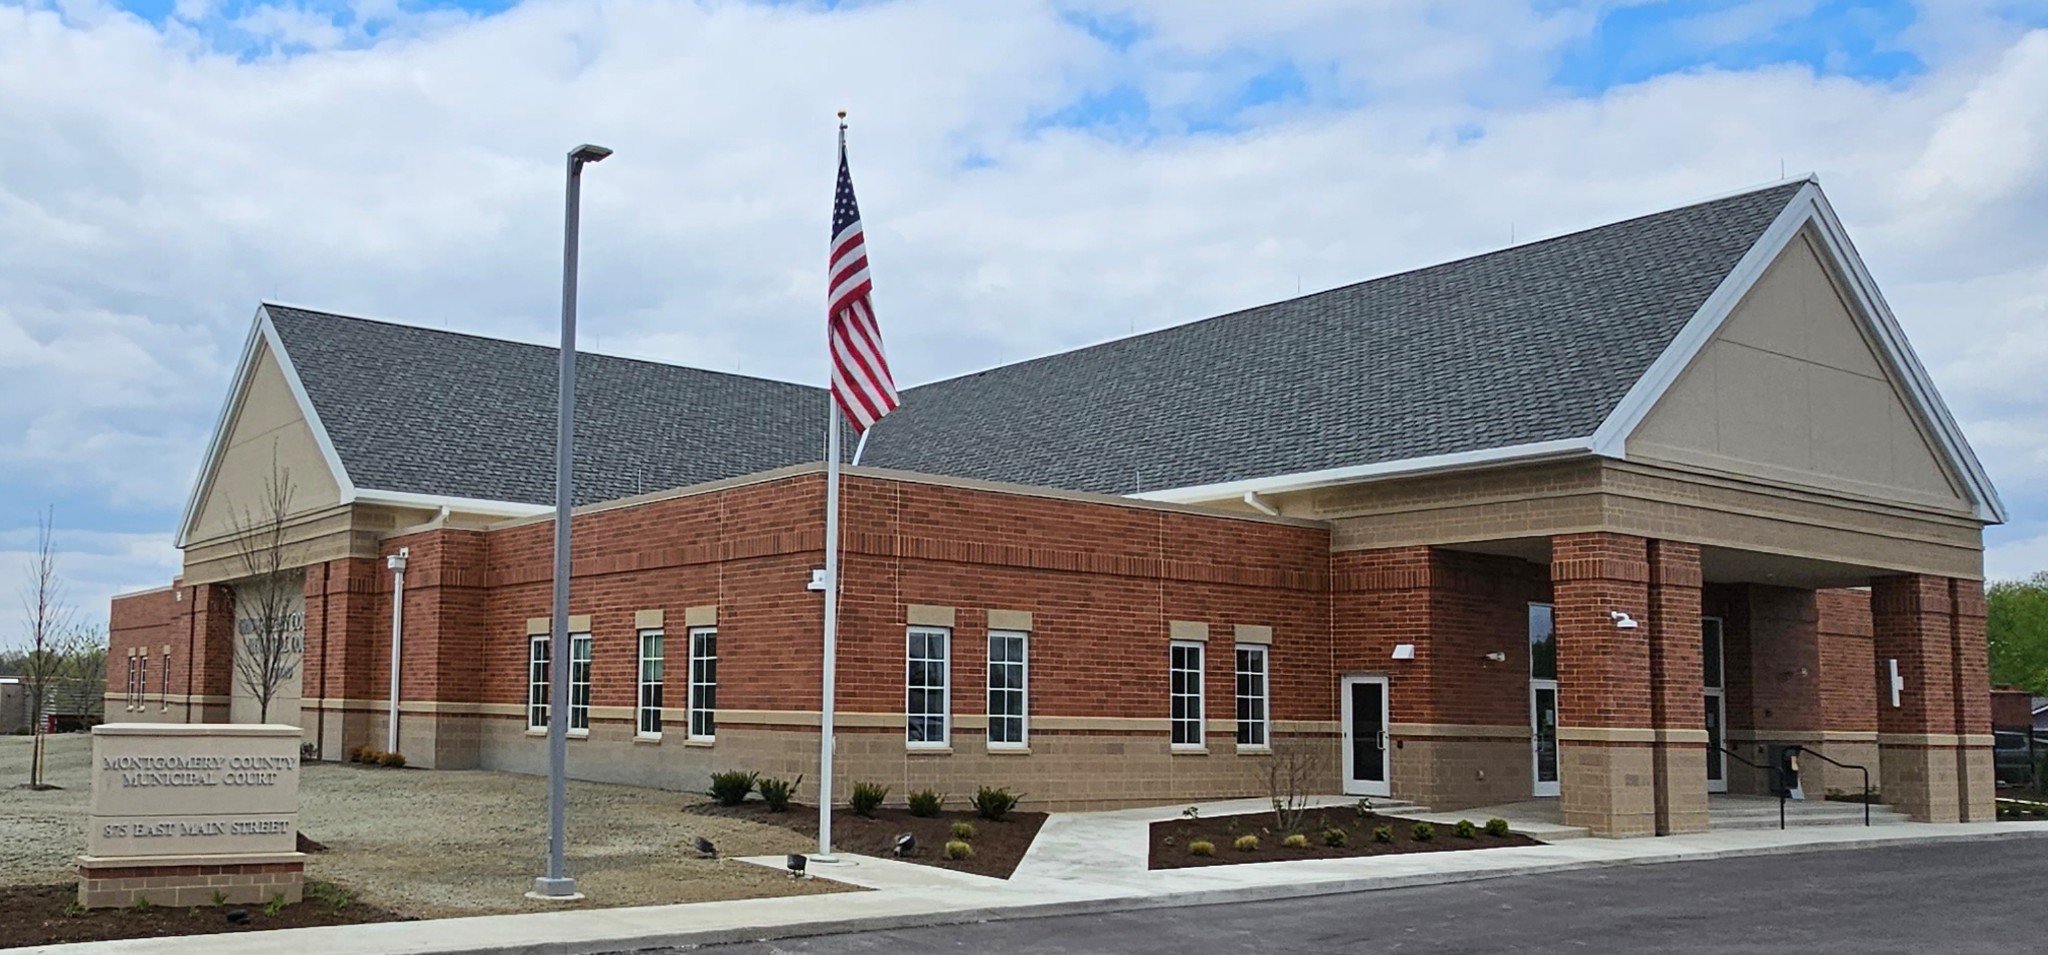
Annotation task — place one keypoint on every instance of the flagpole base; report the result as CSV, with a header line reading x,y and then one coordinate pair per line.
x,y
555,890
827,858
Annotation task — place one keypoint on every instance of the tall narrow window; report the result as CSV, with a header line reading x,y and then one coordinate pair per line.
x,y
142,680
704,683
128,684
579,682
1007,689
1251,697
926,681
1185,670
163,688
537,682
650,684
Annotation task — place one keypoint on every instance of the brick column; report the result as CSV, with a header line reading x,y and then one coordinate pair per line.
x,y
1976,799
1678,758
213,660
1604,724
1912,621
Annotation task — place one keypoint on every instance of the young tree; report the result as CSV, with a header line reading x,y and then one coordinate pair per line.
x,y
47,619
85,674
1291,774
2017,625
267,657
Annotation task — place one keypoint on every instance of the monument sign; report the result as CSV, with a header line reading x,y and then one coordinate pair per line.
x,y
181,812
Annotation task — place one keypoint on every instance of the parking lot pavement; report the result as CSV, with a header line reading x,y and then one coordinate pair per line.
x,y
1959,898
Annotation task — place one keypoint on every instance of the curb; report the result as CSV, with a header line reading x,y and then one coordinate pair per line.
x,y
1132,903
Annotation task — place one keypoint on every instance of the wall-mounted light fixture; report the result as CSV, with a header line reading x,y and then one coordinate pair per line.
x,y
1621,620
1497,657
1404,651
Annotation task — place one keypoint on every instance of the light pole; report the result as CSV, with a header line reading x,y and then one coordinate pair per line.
x,y
556,884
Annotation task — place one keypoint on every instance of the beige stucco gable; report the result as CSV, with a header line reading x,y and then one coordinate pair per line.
x,y
1791,389
267,418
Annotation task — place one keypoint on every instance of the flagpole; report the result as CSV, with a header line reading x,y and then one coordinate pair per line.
x,y
831,661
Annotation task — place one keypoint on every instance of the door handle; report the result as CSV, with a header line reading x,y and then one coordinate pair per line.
x,y
1383,741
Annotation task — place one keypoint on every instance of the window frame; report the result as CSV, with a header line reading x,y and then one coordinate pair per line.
x,y
1022,690
1264,721
643,707
538,671
585,643
944,687
141,680
695,695
163,690
1199,721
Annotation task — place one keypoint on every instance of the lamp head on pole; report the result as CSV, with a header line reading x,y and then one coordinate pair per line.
x,y
588,153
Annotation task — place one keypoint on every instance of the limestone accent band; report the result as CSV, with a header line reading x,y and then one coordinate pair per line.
x,y
1010,620
702,615
926,615
649,619
1192,631
1924,739
1606,734
1254,633
1458,730
1684,737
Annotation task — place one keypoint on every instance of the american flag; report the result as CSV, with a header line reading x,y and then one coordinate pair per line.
x,y
861,383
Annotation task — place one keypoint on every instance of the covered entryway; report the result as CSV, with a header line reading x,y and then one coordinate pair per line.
x,y
1365,736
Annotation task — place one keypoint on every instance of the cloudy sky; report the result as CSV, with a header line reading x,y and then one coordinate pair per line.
x,y
1035,176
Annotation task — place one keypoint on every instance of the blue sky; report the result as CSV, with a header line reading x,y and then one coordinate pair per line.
x,y
1044,175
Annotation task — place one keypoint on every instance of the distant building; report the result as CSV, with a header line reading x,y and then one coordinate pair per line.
x,y
1595,518
14,716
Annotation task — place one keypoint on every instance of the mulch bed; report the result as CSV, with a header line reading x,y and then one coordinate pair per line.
x,y
998,846
36,915
1170,839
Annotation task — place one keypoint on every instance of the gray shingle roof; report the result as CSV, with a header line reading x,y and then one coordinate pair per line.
x,y
1532,343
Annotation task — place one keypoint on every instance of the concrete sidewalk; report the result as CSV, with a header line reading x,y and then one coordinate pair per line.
x,y
1082,862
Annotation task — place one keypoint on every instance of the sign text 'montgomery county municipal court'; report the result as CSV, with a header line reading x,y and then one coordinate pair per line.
x,y
141,771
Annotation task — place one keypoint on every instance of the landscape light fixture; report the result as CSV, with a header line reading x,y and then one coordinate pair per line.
x,y
905,845
705,848
796,865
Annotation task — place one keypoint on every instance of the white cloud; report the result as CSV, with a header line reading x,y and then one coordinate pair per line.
x,y
167,186
92,568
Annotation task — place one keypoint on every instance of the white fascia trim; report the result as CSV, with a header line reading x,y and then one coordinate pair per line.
x,y
1307,480
260,330
1807,206
467,505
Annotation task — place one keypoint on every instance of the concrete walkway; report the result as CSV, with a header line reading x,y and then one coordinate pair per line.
x,y
1082,862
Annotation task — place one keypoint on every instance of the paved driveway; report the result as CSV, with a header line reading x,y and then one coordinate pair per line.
x,y
1958,898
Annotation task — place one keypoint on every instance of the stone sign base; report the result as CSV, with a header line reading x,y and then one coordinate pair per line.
x,y
190,880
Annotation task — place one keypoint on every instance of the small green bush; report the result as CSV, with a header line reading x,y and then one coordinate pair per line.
x,y
1247,843
392,760
1497,827
1295,840
355,753
326,894
1202,847
963,830
275,906
219,897
776,792
142,904
993,803
1336,838
73,910
926,803
956,849
1465,829
1383,833
867,797
1422,832
731,787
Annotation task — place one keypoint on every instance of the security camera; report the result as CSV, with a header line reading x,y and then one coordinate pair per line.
x,y
1621,620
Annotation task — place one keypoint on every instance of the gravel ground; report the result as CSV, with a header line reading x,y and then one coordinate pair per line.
x,y
436,844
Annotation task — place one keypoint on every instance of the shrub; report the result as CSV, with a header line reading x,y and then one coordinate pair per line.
x,y
1191,812
393,760
731,787
1336,838
355,753
867,797
963,831
1295,841
1363,807
219,897
1202,847
327,894
275,906
776,792
142,904
1383,833
1497,827
71,909
1465,829
956,849
1422,832
1246,843
926,803
995,803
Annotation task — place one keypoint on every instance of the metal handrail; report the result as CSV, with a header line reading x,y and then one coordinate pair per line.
x,y
1766,769
1861,769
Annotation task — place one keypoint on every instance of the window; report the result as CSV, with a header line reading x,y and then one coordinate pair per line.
x,y
926,682
537,682
650,684
1007,688
163,688
579,682
704,683
1185,668
1251,697
128,698
1542,642
142,680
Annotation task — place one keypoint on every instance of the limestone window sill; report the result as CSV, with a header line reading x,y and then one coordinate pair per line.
x,y
1009,751
1184,750
536,731
1255,751
579,734
921,750
701,742
652,740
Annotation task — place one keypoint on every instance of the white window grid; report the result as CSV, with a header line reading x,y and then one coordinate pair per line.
x,y
703,700
163,688
1253,688
537,682
651,678
142,681
1009,681
927,703
1185,693
579,682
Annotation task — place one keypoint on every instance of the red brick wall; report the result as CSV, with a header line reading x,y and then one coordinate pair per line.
x,y
1911,619
1848,694
1603,671
146,622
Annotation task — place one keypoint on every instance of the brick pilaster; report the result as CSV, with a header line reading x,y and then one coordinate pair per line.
x,y
1676,713
1976,798
1604,702
1912,621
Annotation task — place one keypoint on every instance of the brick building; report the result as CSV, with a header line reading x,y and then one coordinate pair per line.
x,y
1598,518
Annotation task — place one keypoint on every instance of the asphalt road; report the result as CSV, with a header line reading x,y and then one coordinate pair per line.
x,y
1989,897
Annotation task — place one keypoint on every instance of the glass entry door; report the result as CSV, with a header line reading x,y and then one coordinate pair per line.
x,y
1365,736
1543,735
1714,686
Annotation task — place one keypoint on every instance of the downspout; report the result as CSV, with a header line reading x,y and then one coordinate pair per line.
x,y
1260,504
397,564
326,608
